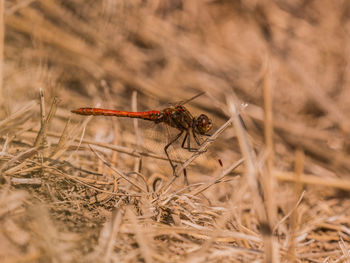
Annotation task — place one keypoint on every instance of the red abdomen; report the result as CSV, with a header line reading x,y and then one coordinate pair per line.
x,y
145,115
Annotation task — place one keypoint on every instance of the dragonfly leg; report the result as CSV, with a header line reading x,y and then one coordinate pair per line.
x,y
166,150
188,140
184,141
197,141
188,146
196,138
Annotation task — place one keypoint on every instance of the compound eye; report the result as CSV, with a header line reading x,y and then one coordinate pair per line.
x,y
203,124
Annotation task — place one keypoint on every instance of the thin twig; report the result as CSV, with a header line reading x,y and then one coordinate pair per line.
x,y
289,213
217,179
45,120
61,142
25,181
124,176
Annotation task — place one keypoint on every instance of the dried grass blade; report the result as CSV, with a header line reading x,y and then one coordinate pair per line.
x,y
45,121
81,180
117,148
289,213
4,147
269,133
313,180
60,148
18,114
142,240
217,179
252,177
19,158
25,181
124,176
222,235
108,235
16,7
344,248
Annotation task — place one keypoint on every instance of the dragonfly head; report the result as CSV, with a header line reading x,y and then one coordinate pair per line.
x,y
203,124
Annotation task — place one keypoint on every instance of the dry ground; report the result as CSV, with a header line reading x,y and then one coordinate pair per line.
x,y
85,189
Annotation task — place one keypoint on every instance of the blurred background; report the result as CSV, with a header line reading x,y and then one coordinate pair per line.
x,y
86,52
90,53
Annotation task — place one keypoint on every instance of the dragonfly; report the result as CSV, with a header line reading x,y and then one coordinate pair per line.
x,y
176,116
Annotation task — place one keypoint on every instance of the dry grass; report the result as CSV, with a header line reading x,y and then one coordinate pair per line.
x,y
77,189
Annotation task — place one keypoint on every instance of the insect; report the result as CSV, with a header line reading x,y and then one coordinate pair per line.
x,y
176,116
